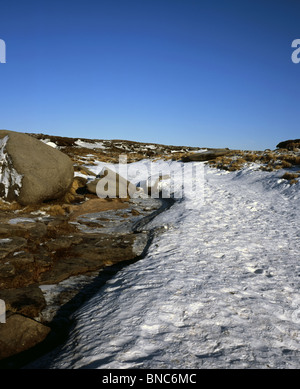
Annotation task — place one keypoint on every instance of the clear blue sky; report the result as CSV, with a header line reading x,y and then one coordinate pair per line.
x,y
213,73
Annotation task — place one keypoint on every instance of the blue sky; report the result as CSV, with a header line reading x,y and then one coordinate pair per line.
x,y
210,73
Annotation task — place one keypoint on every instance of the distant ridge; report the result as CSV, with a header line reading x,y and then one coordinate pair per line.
x,y
289,144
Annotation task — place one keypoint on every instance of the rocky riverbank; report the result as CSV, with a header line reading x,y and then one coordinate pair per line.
x,y
53,253
39,252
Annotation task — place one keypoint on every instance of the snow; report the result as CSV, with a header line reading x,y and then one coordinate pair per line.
x,y
218,288
52,144
5,240
21,220
8,175
49,143
89,145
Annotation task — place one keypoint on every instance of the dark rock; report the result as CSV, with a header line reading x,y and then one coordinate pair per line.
x,y
27,301
206,155
20,333
289,144
10,245
93,253
7,270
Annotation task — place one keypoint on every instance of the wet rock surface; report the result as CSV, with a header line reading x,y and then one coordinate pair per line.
x,y
40,252
55,254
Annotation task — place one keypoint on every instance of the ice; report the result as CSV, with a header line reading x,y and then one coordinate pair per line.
x,y
21,220
218,288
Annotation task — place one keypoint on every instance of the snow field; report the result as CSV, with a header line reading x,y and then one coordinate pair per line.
x,y
218,289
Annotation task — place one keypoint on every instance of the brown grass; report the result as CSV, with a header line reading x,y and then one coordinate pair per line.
x,y
268,160
290,176
6,206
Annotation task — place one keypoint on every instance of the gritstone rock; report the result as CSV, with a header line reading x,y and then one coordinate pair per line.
x,y
31,171
110,184
206,155
20,333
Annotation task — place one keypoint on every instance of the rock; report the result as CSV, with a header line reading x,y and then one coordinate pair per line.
x,y
20,333
84,170
110,184
32,172
27,301
7,270
59,243
153,187
96,205
10,245
289,144
205,155
93,253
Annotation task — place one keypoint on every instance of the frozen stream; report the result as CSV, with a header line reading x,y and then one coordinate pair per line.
x,y
220,288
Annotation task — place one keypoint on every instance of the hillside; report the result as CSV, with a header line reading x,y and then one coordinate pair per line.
x,y
52,252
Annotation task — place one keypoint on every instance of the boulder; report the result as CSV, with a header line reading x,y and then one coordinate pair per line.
x,y
290,144
155,186
110,184
27,301
205,155
31,171
20,333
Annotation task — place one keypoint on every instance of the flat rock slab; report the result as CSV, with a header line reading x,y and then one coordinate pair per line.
x,y
205,155
93,253
97,205
38,250
28,301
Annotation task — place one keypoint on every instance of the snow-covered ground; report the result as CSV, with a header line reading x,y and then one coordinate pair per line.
x,y
219,288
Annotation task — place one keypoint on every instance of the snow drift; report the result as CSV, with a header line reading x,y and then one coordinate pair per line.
x,y
218,289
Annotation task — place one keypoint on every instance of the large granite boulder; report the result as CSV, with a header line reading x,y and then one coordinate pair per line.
x,y
31,171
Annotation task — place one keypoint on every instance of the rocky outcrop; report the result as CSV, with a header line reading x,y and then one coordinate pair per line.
x,y
31,171
27,301
205,155
41,250
289,144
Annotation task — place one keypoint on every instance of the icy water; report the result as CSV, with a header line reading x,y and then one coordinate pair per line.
x,y
219,288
